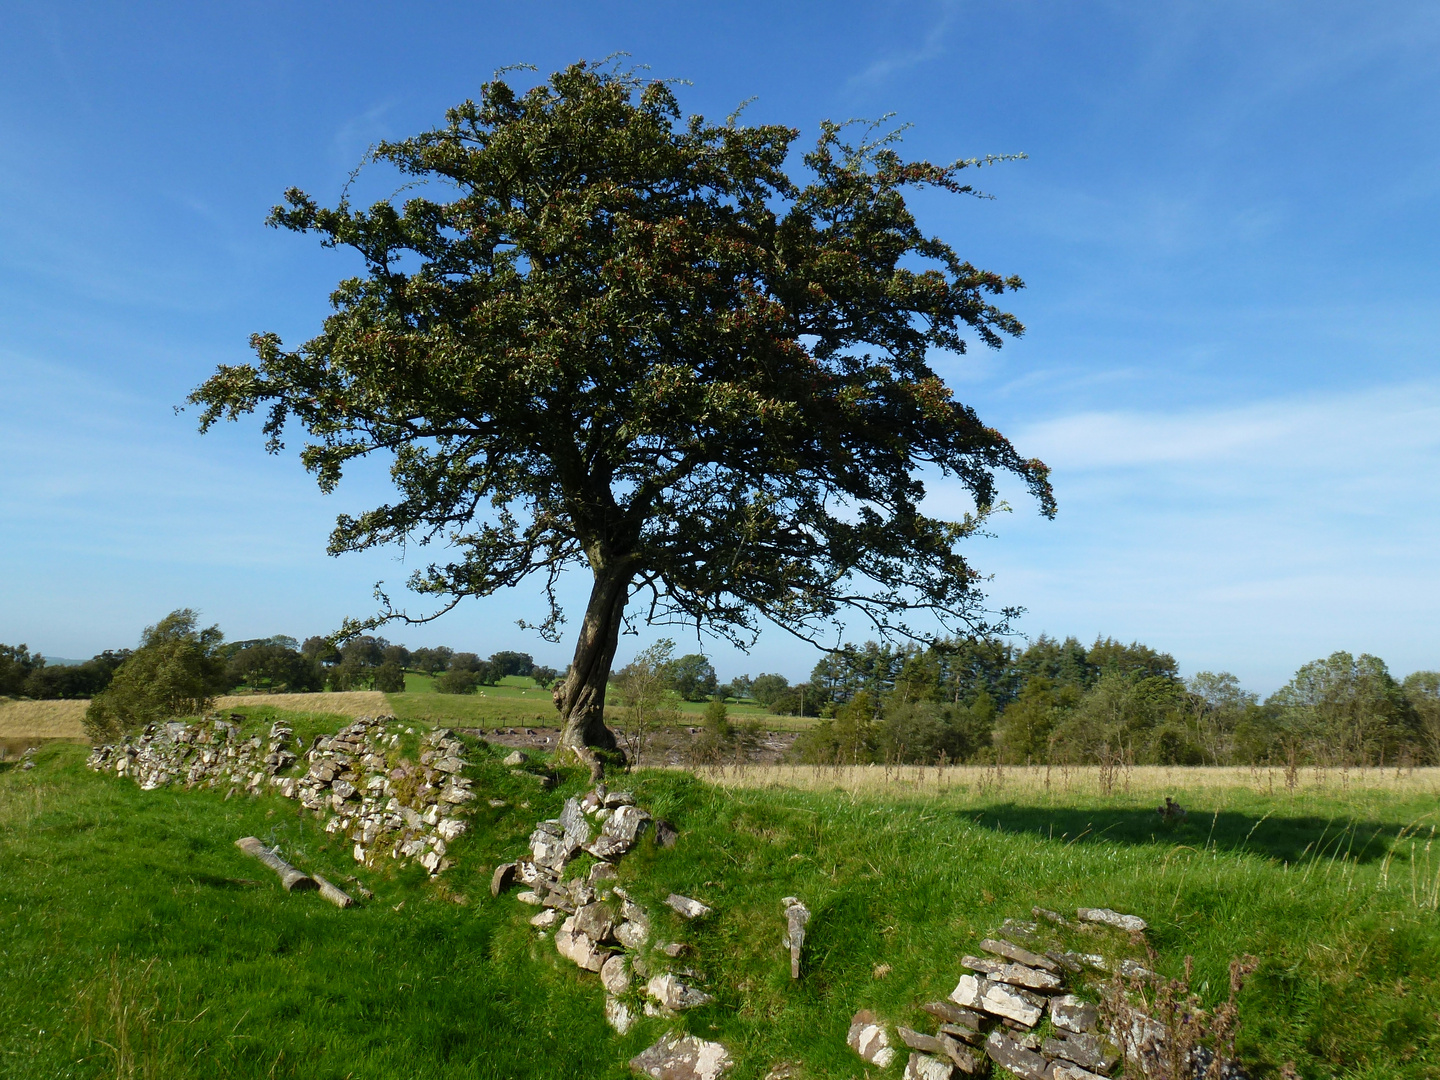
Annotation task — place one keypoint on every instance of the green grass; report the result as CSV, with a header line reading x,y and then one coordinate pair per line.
x,y
128,949
517,702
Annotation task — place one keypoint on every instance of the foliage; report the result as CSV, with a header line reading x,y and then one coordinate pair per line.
x,y
511,663
16,664
766,688
431,661
272,665
50,681
693,677
176,671
457,680
1348,709
644,687
598,333
320,649
1422,691
389,678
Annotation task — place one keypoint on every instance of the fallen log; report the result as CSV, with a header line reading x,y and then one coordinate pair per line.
x,y
336,895
291,878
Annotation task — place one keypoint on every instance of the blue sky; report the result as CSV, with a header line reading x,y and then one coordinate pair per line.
x,y
1227,223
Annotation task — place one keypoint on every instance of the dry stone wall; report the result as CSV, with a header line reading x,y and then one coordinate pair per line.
x,y
997,1012
600,927
355,780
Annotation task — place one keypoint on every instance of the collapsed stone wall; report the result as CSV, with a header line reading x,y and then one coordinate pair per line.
x,y
994,1011
354,779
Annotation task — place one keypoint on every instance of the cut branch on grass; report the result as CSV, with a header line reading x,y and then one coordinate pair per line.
x,y
290,877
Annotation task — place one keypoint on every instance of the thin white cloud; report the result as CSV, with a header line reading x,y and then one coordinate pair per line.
x,y
930,47
1357,431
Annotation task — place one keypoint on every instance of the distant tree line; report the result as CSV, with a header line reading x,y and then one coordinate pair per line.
x,y
1059,702
179,668
963,700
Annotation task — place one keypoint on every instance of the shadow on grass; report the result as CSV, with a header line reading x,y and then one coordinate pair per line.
x,y
1287,839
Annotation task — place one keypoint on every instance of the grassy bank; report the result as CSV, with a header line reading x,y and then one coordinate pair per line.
x,y
133,942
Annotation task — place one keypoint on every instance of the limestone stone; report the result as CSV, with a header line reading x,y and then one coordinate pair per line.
x,y
530,897
572,820
579,948
683,1057
632,935
546,919
952,1013
967,1060
690,909
595,921
917,1040
669,991
618,1015
615,974
1069,1070
1013,952
956,1031
998,999
1069,1013
1133,969
868,1039
502,877
619,833
1085,1050
450,828
1026,1064
797,915
1014,974
1104,916
925,1067
515,759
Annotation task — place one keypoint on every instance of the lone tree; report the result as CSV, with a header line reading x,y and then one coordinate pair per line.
x,y
597,332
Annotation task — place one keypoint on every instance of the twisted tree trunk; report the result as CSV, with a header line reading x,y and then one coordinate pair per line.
x,y
581,697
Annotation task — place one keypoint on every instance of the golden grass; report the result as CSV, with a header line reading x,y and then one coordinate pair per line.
x,y
42,719
348,703
62,719
1088,780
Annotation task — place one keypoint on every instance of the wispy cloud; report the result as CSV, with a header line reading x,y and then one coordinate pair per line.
x,y
1253,538
929,48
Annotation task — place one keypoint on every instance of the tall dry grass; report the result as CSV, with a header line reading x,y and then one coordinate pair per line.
x,y
348,703
1086,780
23,720
42,719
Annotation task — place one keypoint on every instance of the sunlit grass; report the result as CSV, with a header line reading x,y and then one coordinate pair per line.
x,y
132,942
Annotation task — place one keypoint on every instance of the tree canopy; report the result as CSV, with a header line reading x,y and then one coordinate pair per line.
x,y
597,332
176,671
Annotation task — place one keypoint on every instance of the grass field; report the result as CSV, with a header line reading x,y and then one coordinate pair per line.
x,y
41,719
518,702
135,940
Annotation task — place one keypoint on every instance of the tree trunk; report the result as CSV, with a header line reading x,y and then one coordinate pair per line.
x,y
581,698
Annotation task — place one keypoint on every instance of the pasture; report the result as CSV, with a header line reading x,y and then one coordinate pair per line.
x,y
138,942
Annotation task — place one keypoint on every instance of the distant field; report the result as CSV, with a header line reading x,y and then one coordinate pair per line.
x,y
519,702
1039,782
347,703
41,719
